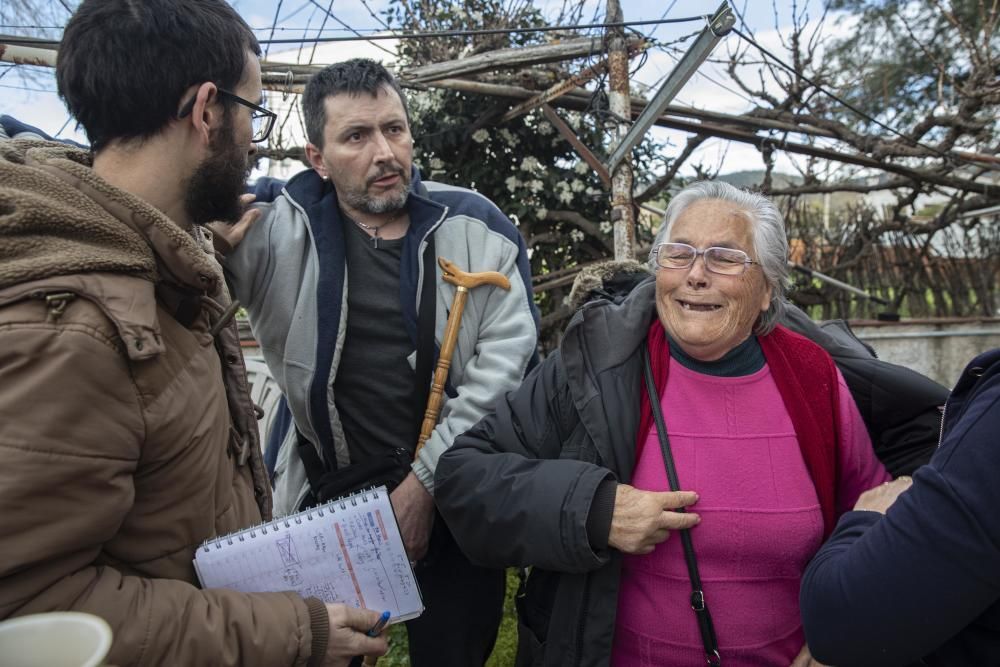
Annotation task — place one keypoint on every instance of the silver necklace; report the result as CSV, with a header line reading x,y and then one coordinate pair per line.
x,y
371,228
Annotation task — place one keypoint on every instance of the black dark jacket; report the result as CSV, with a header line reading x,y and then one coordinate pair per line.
x,y
571,424
923,580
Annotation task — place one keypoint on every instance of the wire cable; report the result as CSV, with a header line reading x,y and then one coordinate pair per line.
x,y
434,34
274,24
334,17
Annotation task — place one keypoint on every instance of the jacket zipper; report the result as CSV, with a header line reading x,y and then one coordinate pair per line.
x,y
585,605
944,411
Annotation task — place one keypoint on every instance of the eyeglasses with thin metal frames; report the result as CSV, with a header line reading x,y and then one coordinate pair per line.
x,y
262,120
724,261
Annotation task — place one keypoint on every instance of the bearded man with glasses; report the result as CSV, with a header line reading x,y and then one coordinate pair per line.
x,y
128,433
683,406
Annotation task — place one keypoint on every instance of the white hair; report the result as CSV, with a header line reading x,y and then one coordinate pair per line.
x,y
767,225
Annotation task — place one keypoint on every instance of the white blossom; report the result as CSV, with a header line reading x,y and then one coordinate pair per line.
x,y
565,196
509,138
480,135
512,183
530,163
577,235
581,167
544,128
541,212
606,227
536,185
436,163
577,185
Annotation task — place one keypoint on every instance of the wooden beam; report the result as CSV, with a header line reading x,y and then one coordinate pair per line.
x,y
560,89
27,55
521,56
569,135
619,101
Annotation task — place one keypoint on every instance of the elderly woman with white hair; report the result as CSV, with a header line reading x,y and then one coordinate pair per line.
x,y
684,407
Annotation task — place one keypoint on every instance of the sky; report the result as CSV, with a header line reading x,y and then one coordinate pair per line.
x,y
34,100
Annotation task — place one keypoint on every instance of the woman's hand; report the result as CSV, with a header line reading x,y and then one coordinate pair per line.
x,y
643,519
882,497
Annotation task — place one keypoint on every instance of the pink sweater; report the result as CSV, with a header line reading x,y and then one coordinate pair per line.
x,y
734,444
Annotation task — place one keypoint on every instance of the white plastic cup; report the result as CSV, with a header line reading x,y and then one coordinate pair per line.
x,y
57,639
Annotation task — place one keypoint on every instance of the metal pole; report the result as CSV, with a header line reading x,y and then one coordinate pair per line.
x,y
718,26
836,283
622,214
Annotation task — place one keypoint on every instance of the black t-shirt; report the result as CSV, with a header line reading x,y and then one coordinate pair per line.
x,y
374,387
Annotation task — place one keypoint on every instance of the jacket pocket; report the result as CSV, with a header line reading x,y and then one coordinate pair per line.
x,y
530,651
534,613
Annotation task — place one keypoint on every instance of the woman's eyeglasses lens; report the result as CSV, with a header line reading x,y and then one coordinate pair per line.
x,y
727,261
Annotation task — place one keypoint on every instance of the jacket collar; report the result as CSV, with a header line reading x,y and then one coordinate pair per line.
x,y
600,356
607,334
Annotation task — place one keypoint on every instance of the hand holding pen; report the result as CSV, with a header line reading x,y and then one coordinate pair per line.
x,y
375,631
349,634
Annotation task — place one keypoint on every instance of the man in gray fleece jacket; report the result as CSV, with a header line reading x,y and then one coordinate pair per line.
x,y
358,235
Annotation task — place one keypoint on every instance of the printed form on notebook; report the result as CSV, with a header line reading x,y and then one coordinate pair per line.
x,y
347,551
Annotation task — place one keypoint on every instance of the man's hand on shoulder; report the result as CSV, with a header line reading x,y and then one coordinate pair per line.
x,y
227,236
414,508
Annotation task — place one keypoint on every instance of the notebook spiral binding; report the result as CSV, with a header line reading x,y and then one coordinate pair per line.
x,y
275,524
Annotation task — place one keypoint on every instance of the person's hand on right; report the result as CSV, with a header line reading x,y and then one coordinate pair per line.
x,y
643,519
348,638
882,497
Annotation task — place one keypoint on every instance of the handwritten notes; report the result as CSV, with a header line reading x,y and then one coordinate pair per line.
x,y
347,551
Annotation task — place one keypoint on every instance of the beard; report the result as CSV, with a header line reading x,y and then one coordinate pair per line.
x,y
390,202
214,190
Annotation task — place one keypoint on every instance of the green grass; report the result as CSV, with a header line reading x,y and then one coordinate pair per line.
x,y
503,652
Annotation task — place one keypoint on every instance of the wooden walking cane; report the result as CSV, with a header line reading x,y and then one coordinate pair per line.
x,y
463,282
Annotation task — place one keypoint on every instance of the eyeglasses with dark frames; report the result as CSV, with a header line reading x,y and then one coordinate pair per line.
x,y
724,261
262,120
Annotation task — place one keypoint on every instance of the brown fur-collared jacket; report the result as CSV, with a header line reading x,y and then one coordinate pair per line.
x,y
127,435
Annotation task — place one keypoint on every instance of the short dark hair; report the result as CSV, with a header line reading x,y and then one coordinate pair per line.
x,y
124,64
355,76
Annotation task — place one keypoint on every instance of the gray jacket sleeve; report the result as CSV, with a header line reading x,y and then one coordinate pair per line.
x,y
512,489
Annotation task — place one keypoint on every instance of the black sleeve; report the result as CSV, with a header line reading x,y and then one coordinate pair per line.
x,y
505,493
887,590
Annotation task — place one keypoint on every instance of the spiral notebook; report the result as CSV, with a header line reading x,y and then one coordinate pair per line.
x,y
347,551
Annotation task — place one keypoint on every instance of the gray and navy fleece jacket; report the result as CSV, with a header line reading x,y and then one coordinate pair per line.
x,y
290,273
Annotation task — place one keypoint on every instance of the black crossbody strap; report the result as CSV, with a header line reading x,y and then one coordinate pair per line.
x,y
424,366
315,469
698,602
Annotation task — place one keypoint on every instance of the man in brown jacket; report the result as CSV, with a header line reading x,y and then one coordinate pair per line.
x,y
127,434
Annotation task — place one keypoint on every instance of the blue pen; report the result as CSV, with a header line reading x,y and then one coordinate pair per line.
x,y
379,624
